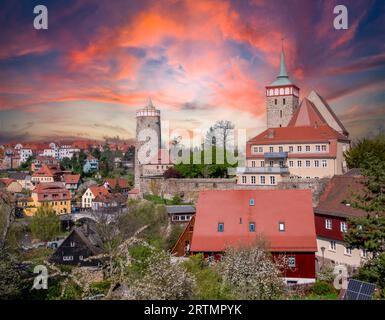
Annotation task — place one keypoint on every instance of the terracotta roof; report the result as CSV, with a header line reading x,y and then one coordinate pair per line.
x,y
71,178
111,197
231,207
96,190
7,181
122,183
134,191
52,191
338,194
297,134
306,115
46,171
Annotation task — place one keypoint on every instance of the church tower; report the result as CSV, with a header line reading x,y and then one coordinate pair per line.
x,y
146,118
282,98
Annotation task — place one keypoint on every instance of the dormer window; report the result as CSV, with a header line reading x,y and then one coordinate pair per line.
x,y
251,202
281,226
221,227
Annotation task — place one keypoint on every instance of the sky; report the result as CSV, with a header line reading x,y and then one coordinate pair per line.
x,y
199,61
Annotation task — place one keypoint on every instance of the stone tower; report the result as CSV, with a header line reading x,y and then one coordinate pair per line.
x,y
146,118
282,98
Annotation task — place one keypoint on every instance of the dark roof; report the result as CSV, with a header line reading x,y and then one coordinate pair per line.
x,y
355,172
91,238
18,175
336,199
180,209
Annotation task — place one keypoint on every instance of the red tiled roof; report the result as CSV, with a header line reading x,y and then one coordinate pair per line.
x,y
122,183
293,207
297,134
46,171
110,197
54,191
306,115
96,190
7,181
71,178
340,190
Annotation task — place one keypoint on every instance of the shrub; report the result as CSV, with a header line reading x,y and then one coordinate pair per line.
x,y
322,288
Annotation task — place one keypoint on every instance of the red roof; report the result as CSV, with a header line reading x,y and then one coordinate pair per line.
x,y
122,183
110,198
322,133
52,191
7,181
46,171
306,115
96,190
231,207
338,194
71,178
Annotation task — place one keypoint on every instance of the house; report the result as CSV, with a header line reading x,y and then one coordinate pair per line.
x,y
52,194
133,193
25,154
231,218
180,213
117,185
77,249
91,164
25,205
91,193
302,141
40,160
11,185
72,182
47,173
331,221
109,201
23,178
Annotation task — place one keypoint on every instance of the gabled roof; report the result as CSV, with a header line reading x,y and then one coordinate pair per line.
x,y
233,209
111,198
18,175
121,182
51,191
71,178
337,198
306,115
297,134
96,190
7,181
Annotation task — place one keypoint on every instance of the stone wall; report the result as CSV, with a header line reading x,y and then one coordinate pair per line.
x,y
274,119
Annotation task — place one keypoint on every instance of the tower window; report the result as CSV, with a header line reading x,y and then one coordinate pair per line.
x,y
280,111
284,101
221,227
275,101
252,227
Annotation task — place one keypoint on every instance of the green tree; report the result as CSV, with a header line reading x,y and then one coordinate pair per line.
x,y
66,164
357,155
10,278
27,164
45,224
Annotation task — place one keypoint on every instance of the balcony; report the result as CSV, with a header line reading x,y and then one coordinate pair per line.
x,y
275,155
278,170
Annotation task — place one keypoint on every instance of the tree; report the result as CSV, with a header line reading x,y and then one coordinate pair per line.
x,y
10,278
45,224
163,280
219,135
66,164
171,173
358,153
251,273
27,164
7,216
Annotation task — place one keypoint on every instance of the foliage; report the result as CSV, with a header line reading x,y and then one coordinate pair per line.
x,y
326,274
7,215
322,288
171,173
163,280
27,164
373,271
10,278
45,224
176,231
357,155
251,273
209,284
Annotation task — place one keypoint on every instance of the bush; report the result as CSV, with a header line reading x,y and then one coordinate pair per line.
x,y
322,288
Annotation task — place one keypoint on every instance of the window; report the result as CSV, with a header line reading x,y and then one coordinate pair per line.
x,y
253,163
68,258
328,224
281,226
271,163
72,244
221,227
323,147
253,180
291,163
260,149
243,179
281,163
299,148
307,148
81,258
317,148
348,251
251,202
271,149
290,148
280,112
275,101
280,149
316,163
291,262
255,149
324,163
252,227
263,179
284,102
364,253
262,163
299,163
333,246
272,179
344,227
307,163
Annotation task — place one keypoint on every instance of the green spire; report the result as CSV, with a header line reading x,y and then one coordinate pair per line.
x,y
282,69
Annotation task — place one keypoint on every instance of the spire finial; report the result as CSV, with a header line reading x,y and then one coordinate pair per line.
x,y
149,103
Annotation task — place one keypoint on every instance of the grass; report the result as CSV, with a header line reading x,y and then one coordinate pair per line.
x,y
37,256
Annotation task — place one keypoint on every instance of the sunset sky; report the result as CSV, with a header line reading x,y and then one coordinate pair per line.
x,y
199,61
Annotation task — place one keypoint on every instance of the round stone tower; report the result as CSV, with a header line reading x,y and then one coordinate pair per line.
x,y
146,118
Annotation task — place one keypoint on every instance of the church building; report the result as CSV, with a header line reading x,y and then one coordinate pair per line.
x,y
302,141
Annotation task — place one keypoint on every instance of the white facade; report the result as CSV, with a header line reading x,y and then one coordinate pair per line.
x,y
25,154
